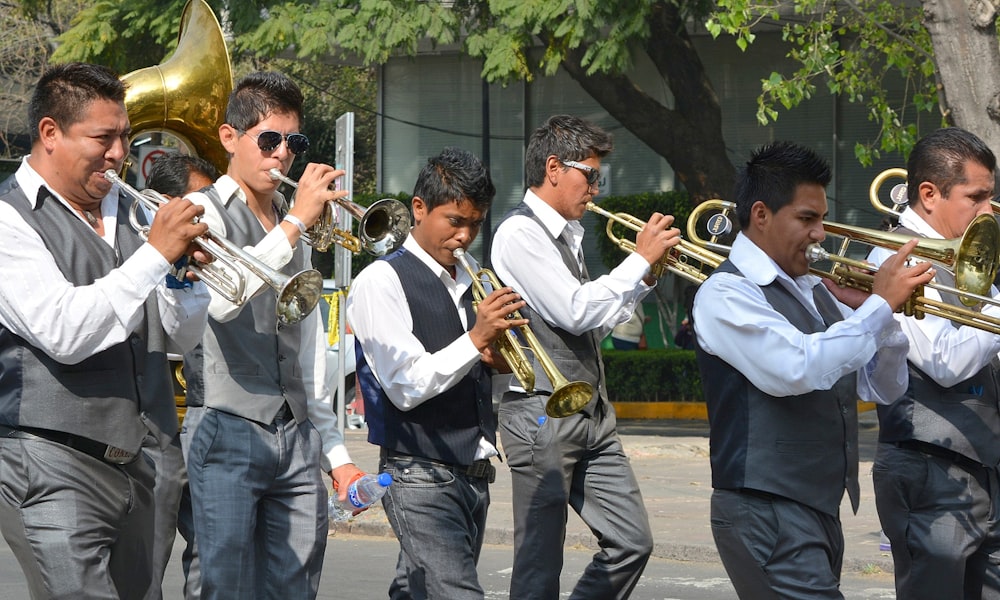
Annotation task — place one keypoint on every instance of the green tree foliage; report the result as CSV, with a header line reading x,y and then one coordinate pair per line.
x,y
851,48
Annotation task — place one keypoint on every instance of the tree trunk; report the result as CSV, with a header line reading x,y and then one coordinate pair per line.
x,y
967,56
689,135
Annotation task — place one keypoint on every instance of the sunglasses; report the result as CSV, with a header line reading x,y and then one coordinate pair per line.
x,y
269,140
593,175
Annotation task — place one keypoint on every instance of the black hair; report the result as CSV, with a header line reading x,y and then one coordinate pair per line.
x,y
258,94
170,174
773,173
939,157
567,137
455,175
64,93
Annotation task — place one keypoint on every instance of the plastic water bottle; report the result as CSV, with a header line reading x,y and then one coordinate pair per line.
x,y
362,492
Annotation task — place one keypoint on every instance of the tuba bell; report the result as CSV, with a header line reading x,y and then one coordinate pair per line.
x,y
186,95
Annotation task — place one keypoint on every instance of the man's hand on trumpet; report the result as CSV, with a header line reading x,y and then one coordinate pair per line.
x,y
656,238
894,281
492,321
315,189
176,224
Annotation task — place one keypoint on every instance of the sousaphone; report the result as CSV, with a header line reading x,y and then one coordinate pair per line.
x,y
186,95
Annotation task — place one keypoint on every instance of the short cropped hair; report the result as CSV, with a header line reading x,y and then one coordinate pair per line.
x,y
455,175
772,175
170,174
565,136
939,157
259,94
65,92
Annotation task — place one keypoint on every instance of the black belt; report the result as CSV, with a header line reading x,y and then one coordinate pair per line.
x,y
934,450
480,469
103,452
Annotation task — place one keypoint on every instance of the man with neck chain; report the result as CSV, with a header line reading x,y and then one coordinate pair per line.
x,y
86,322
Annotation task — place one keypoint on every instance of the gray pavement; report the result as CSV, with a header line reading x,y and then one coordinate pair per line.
x,y
670,459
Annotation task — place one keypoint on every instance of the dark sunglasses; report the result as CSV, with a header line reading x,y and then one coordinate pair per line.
x,y
268,140
593,175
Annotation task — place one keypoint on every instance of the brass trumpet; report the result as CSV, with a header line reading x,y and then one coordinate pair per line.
x,y
382,227
684,259
568,397
297,294
898,193
973,258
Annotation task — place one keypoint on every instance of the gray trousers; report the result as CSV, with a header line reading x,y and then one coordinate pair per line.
x,y
79,527
942,521
577,462
260,505
777,548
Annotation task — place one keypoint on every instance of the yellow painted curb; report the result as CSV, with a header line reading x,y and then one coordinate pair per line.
x,y
680,410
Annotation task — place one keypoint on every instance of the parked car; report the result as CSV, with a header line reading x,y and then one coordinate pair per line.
x,y
354,411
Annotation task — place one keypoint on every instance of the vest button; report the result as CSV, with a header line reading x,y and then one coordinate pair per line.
x,y
281,357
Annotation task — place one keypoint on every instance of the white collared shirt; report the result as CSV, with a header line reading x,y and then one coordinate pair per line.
x,y
70,323
379,315
526,259
734,321
946,353
275,251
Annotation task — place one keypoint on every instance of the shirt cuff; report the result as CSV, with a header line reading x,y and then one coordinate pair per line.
x,y
335,457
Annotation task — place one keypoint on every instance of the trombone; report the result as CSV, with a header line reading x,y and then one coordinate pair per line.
x,y
973,258
685,259
297,294
897,194
382,227
567,397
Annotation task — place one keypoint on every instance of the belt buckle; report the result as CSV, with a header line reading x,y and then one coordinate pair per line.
x,y
482,469
118,456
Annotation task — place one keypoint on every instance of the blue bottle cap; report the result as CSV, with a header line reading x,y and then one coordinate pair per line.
x,y
384,479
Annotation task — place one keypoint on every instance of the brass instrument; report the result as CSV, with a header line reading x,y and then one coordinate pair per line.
x,y
685,259
382,227
297,294
186,95
898,194
567,397
973,258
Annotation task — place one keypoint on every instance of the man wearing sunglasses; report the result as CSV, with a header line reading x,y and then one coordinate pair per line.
x,y
575,460
259,424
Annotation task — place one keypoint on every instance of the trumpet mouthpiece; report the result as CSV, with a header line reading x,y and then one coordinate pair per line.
x,y
815,253
277,175
458,252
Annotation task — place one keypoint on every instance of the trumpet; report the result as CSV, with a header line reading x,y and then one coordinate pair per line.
x,y
972,258
297,294
382,227
685,259
567,397
897,194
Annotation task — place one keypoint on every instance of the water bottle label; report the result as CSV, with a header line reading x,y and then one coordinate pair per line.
x,y
352,497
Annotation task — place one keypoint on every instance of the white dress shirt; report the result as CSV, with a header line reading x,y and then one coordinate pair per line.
x,y
380,318
526,259
947,354
734,321
69,322
275,251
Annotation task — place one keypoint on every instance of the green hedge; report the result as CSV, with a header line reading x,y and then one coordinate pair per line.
x,y
669,375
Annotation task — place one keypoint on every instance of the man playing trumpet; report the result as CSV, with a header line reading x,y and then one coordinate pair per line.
x,y
424,359
259,425
783,359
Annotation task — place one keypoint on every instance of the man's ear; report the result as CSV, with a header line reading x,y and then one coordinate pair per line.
x,y
419,208
229,137
48,131
928,196
760,214
553,167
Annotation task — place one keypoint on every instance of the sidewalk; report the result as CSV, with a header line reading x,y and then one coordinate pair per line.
x,y
670,459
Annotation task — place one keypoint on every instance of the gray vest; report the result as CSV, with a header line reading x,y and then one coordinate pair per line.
x,y
964,418
577,357
800,447
248,366
115,396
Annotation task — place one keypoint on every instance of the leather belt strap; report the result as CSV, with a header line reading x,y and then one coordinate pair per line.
x,y
102,452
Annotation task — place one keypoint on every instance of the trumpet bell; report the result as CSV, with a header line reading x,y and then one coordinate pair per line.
x,y
569,399
384,227
976,262
299,296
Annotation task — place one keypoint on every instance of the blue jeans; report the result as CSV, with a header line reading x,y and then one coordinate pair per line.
x,y
259,505
439,518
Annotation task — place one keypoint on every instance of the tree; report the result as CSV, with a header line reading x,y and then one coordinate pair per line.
x,y
946,52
